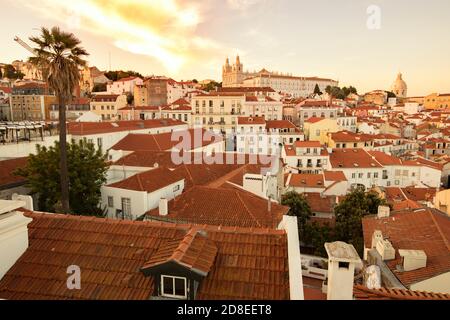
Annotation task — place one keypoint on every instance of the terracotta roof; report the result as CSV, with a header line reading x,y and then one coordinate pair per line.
x,y
347,136
149,181
334,176
352,158
314,120
307,144
406,204
101,97
385,159
7,167
245,89
88,128
361,292
251,120
227,206
280,124
127,79
304,180
193,251
6,89
419,229
163,141
250,263
318,203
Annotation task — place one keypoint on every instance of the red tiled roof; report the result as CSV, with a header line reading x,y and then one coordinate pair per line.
x,y
347,136
88,128
361,292
149,181
192,251
279,124
352,158
307,144
305,180
163,141
314,120
420,229
384,158
318,203
251,120
334,176
7,167
227,206
6,89
250,263
101,97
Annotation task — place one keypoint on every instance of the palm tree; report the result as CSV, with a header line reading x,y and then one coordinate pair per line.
x,y
59,57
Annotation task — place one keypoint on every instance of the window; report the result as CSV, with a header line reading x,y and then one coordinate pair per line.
x,y
173,287
99,142
368,175
176,188
375,175
110,201
353,175
360,175
344,265
126,207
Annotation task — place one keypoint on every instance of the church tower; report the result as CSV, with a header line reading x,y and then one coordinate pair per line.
x,y
232,75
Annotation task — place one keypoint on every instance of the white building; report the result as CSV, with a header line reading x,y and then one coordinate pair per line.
x,y
124,85
305,157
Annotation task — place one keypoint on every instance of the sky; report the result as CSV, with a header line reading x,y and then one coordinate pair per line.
x,y
363,43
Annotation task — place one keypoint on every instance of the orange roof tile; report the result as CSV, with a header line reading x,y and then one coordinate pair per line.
x,y
361,292
7,177
352,158
250,263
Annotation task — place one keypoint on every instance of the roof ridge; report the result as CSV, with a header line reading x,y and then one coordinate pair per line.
x,y
246,208
439,229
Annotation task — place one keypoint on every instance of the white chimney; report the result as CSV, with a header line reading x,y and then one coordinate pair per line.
x,y
413,259
163,207
385,249
383,212
376,236
13,234
342,262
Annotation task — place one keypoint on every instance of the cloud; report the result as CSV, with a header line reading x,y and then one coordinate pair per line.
x,y
162,29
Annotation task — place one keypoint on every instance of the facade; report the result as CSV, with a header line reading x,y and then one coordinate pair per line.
x,y
107,105
31,102
316,109
305,157
235,76
317,129
74,110
91,76
123,86
437,101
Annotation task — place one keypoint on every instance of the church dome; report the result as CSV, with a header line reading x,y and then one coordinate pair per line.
x,y
399,87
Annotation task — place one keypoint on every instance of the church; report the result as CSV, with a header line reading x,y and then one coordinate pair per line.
x,y
233,75
399,87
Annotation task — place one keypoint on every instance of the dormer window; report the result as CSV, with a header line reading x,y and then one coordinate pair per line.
x,y
174,287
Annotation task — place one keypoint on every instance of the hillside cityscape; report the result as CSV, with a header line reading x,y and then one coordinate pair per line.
x,y
260,184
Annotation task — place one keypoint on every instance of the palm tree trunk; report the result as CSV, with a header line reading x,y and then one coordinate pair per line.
x,y
63,156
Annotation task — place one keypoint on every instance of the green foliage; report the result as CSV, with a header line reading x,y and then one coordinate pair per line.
x,y
99,87
390,94
349,213
316,236
340,93
317,90
195,81
117,75
87,173
212,86
11,73
299,207
130,98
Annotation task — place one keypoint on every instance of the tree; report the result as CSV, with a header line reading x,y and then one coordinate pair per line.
x,y
99,87
87,169
120,74
390,94
11,73
349,213
130,98
299,207
195,81
317,90
59,55
212,86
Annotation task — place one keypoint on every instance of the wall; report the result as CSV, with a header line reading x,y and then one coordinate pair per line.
x,y
138,200
23,149
438,284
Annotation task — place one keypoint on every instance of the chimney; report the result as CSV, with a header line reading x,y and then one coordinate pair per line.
x,y
342,262
383,212
376,236
27,199
413,259
163,207
385,249
13,234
